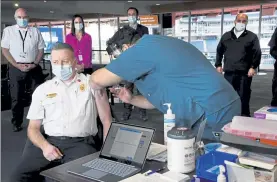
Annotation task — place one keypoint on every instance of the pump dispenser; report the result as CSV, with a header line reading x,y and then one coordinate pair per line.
x,y
169,121
221,177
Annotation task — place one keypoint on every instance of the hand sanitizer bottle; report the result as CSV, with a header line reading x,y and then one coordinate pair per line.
x,y
221,177
169,121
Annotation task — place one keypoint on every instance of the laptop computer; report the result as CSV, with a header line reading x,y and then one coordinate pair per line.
x,y
123,154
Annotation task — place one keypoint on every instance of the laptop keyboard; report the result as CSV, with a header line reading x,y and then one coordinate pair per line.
x,y
110,167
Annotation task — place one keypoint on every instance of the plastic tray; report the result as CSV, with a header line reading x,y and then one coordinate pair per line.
x,y
210,160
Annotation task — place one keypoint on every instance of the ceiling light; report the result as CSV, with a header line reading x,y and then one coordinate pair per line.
x,y
130,1
51,11
45,1
158,4
16,4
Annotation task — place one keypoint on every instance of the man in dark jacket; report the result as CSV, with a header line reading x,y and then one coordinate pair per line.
x,y
273,51
242,55
128,31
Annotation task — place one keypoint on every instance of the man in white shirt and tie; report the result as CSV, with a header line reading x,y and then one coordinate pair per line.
x,y
23,47
67,108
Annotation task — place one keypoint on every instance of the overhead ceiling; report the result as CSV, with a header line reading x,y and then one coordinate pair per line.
x,y
62,10
48,10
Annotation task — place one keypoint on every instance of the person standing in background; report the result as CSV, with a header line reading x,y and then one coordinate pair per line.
x,y
81,43
133,14
242,55
273,52
23,47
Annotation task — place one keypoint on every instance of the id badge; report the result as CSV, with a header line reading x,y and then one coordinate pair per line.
x,y
23,57
80,57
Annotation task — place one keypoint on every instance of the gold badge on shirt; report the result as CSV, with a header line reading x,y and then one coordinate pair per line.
x,y
51,95
82,87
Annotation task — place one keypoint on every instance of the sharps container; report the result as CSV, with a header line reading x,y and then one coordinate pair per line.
x,y
180,150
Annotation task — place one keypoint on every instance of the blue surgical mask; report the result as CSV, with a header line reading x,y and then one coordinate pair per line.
x,y
78,26
22,22
132,19
63,72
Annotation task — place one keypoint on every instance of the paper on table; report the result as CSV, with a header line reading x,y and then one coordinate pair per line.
x,y
151,178
157,152
238,173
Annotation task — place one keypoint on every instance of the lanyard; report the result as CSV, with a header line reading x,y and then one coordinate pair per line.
x,y
23,39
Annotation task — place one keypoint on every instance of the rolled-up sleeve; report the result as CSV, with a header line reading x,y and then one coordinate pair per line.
x,y
133,63
41,44
5,42
36,110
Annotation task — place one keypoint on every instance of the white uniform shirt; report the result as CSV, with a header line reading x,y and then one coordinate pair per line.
x,y
65,109
12,40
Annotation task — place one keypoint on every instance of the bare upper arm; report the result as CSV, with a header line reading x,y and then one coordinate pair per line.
x,y
103,78
34,125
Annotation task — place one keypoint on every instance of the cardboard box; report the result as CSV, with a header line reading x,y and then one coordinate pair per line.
x,y
263,113
266,176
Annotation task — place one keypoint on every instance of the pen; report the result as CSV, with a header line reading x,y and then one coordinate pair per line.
x,y
154,171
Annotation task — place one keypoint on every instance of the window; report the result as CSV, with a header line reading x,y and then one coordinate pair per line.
x,y
92,29
268,25
181,26
108,27
206,31
253,13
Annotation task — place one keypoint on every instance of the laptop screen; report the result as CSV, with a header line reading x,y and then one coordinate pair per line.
x,y
127,143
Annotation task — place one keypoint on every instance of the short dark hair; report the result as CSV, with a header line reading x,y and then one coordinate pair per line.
x,y
133,9
72,24
60,46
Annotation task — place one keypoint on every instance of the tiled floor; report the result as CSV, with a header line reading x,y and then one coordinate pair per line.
x,y
12,143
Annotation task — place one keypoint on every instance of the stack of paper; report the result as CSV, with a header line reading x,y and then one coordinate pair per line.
x,y
157,177
157,152
256,160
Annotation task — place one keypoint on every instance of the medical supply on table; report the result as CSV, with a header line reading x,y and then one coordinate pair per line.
x,y
180,150
257,160
211,147
154,171
157,152
221,177
178,177
169,121
229,150
198,179
207,166
266,112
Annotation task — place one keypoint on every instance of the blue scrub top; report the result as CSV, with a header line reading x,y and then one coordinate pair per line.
x,y
169,70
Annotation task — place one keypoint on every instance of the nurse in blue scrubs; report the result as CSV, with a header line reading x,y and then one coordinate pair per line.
x,y
168,70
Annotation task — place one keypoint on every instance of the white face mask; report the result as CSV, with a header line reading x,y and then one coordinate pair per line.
x,y
240,27
62,72
78,26
132,19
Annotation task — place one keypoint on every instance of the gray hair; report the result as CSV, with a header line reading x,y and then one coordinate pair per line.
x,y
18,9
61,46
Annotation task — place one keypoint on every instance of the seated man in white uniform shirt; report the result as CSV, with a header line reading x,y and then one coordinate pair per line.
x,y
67,108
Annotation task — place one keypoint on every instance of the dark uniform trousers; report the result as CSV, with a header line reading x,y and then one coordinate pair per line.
x,y
274,86
18,83
242,84
128,107
32,161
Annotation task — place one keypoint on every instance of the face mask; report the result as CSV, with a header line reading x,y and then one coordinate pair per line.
x,y
78,26
132,19
22,22
240,27
62,72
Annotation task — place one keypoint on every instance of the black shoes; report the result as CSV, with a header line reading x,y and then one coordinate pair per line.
x,y
17,128
125,116
142,114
